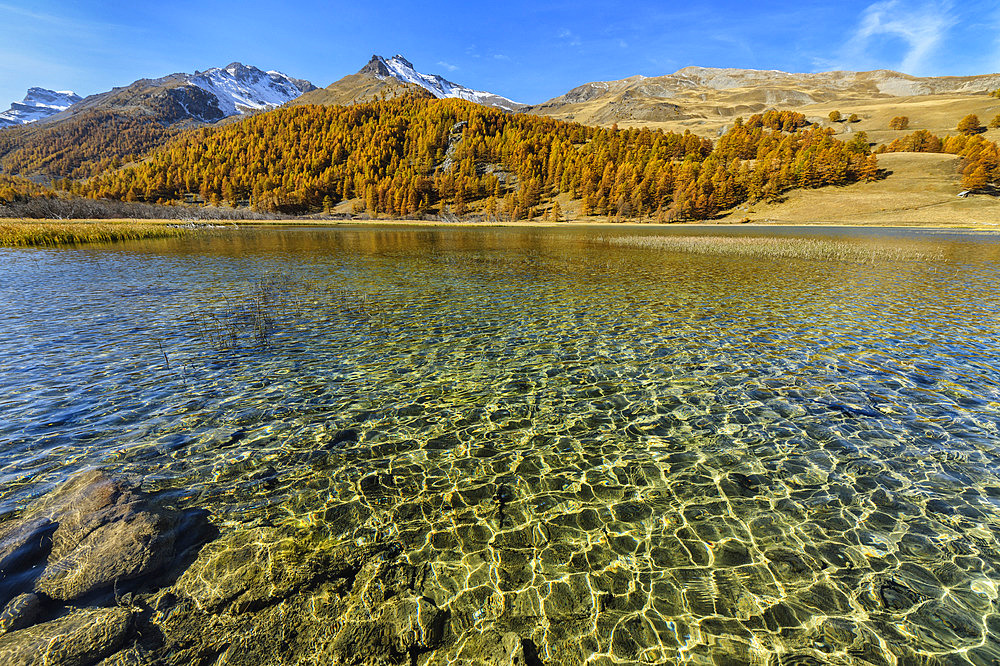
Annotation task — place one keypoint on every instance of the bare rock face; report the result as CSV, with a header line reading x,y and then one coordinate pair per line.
x,y
80,638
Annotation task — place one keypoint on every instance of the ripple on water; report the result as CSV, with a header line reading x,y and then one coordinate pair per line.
x,y
622,455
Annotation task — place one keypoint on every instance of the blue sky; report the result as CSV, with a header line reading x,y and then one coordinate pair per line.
x,y
528,51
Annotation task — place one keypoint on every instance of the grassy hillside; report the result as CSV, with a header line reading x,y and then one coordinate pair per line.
x,y
920,189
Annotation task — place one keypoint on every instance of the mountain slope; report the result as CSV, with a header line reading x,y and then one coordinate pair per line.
x,y
397,77
38,104
415,156
360,88
120,124
207,96
694,94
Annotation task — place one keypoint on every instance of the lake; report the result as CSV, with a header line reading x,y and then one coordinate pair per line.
x,y
574,444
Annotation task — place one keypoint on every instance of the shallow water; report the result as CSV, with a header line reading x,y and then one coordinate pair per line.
x,y
626,454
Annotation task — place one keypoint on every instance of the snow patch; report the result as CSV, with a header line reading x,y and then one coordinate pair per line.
x,y
402,69
38,104
240,88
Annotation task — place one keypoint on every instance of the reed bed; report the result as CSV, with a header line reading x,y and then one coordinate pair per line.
x,y
775,248
248,320
27,233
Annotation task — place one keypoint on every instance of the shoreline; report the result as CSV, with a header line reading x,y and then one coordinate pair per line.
x,y
576,224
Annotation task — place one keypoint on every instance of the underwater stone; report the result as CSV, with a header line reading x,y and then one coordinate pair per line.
x,y
415,623
108,533
80,638
21,612
24,545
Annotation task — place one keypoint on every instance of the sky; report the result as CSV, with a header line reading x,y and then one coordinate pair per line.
x,y
529,51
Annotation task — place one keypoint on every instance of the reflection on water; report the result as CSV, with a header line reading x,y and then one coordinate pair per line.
x,y
624,454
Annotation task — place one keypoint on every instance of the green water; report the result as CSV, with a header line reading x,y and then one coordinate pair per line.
x,y
623,454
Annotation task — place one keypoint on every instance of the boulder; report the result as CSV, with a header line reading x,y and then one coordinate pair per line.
x,y
82,637
91,535
108,534
22,611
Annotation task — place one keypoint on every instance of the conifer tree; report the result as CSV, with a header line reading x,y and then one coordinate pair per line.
x,y
969,125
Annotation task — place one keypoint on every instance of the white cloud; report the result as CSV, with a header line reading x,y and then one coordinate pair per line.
x,y
448,66
500,56
922,27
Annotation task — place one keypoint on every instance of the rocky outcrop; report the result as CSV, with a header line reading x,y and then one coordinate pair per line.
x,y
92,541
97,580
273,595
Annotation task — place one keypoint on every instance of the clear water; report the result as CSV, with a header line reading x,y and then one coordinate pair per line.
x,y
628,455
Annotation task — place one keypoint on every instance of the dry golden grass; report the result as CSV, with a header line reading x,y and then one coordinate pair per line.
x,y
921,190
773,248
24,233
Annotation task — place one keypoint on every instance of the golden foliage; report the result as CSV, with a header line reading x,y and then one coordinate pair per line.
x,y
79,147
13,189
405,156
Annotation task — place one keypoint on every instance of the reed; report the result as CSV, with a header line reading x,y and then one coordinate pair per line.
x,y
250,317
27,233
775,248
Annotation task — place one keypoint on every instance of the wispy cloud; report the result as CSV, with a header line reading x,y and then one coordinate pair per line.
x,y
500,56
59,21
569,37
922,27
448,66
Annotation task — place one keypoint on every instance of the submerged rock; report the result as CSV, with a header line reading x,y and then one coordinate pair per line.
x,y
93,537
281,596
22,611
80,638
24,546
108,533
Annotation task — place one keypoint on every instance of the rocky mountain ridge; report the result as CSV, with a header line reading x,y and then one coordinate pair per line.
x,y
208,96
694,92
38,104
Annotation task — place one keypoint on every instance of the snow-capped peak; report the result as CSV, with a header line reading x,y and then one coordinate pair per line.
x,y
241,88
38,104
403,70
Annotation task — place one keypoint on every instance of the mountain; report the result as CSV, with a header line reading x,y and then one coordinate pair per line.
x,y
38,104
105,129
239,88
397,76
697,93
203,97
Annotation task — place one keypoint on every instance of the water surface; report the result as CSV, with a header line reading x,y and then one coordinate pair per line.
x,y
627,455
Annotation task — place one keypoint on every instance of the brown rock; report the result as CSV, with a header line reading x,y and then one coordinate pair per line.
x,y
21,612
93,533
108,533
80,638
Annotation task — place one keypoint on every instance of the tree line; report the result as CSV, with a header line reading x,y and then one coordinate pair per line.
x,y
409,156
